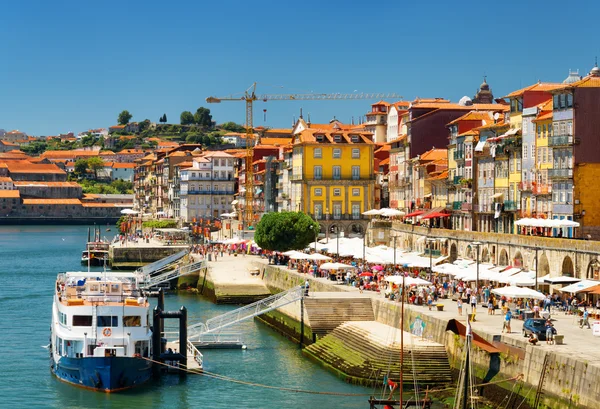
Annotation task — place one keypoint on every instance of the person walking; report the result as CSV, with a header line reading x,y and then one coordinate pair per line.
x,y
549,332
459,305
586,318
506,324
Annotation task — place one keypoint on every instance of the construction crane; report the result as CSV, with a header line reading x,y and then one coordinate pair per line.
x,y
249,97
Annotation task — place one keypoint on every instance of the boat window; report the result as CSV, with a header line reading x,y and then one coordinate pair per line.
x,y
108,321
82,320
114,288
93,287
132,321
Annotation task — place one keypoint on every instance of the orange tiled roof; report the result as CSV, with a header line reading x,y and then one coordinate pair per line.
x,y
118,126
216,154
96,204
442,175
167,143
589,81
106,153
131,152
47,184
309,136
435,154
3,179
474,116
386,161
279,131
52,201
276,141
19,167
382,102
537,87
68,154
118,165
9,194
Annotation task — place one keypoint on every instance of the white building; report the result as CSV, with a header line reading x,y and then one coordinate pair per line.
x,y
207,187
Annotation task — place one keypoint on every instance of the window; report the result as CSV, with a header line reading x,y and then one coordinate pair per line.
x,y
356,210
570,128
533,151
337,210
319,138
318,191
555,102
337,153
355,138
355,191
337,172
132,321
108,321
318,172
318,211
193,174
525,150
569,100
355,172
63,318
82,320
355,153
337,138
337,192
318,153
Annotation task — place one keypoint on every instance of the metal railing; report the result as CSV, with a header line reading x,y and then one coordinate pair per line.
x,y
456,205
459,154
192,350
217,324
510,206
467,207
560,140
560,173
178,272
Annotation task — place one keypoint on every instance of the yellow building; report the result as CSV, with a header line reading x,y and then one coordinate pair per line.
x,y
542,188
333,177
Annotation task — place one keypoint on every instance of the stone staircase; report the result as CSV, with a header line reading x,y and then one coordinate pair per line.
x,y
366,351
326,314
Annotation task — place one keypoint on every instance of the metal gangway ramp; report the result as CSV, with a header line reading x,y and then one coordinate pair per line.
x,y
212,334
159,265
151,281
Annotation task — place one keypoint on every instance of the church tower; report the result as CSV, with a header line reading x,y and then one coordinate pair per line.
x,y
484,95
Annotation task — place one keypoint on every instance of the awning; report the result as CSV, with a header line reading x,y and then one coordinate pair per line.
x,y
479,147
417,213
580,286
427,195
435,215
561,280
497,195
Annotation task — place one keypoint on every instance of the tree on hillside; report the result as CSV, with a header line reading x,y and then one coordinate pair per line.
x,y
145,124
81,166
285,231
164,118
124,117
232,127
95,164
203,118
186,118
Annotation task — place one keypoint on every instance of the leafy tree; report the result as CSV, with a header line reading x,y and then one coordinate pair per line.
x,y
203,118
122,186
186,118
35,148
88,140
124,117
232,127
164,118
285,231
145,124
95,164
81,166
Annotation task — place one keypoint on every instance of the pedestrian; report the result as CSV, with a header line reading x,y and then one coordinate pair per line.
x,y
306,288
506,324
490,307
585,319
429,301
473,303
459,305
549,332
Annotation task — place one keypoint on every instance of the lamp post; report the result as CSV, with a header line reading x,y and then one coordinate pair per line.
x,y
430,242
477,244
337,233
313,228
395,254
536,268
364,245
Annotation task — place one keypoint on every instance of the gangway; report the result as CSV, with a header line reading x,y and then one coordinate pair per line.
x,y
211,333
151,281
159,265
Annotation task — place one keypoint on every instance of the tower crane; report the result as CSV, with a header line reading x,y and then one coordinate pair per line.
x,y
249,97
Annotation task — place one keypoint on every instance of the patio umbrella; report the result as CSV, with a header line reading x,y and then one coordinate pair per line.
x,y
392,213
366,274
335,266
129,211
518,292
317,257
377,268
372,212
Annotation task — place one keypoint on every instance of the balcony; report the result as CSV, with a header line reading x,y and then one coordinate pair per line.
x,y
456,180
560,140
339,217
525,186
459,155
466,207
483,208
510,206
560,173
456,205
210,192
542,189
434,252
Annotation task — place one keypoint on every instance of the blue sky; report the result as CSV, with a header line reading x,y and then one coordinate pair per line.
x,y
74,65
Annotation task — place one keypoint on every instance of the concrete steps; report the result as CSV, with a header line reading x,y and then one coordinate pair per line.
x,y
326,314
363,352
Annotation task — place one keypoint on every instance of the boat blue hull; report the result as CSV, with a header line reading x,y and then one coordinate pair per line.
x,y
106,374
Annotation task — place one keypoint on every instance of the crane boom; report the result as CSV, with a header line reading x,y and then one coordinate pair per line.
x,y
250,96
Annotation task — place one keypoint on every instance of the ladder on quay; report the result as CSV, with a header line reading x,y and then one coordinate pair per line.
x,y
151,281
540,387
212,334
162,264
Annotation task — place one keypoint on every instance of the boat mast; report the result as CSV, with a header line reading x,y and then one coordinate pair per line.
x,y
467,363
402,343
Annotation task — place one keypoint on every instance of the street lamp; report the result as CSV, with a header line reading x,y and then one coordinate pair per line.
x,y
430,242
395,255
477,244
312,227
536,268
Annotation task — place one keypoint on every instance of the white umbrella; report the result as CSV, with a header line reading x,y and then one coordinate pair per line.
x,y
392,213
512,291
317,257
416,281
372,212
335,266
129,211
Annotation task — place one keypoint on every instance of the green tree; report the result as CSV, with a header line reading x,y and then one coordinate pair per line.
x,y
145,124
164,118
186,118
95,164
124,117
122,186
81,166
232,127
88,140
203,118
285,231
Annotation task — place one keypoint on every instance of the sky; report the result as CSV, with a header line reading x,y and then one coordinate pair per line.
x,y
74,65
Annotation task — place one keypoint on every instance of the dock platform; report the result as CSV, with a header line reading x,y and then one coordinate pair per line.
x,y
194,357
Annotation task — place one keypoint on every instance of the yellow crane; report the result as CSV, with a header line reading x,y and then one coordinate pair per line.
x,y
249,97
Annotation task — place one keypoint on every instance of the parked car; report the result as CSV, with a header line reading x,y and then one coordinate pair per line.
x,y
537,326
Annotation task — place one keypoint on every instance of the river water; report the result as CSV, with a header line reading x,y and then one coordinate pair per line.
x,y
30,259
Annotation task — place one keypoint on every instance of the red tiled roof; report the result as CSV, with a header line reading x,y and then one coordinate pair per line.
x,y
9,194
52,201
537,87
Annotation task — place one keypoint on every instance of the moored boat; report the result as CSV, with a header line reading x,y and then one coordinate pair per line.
x,y
100,332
